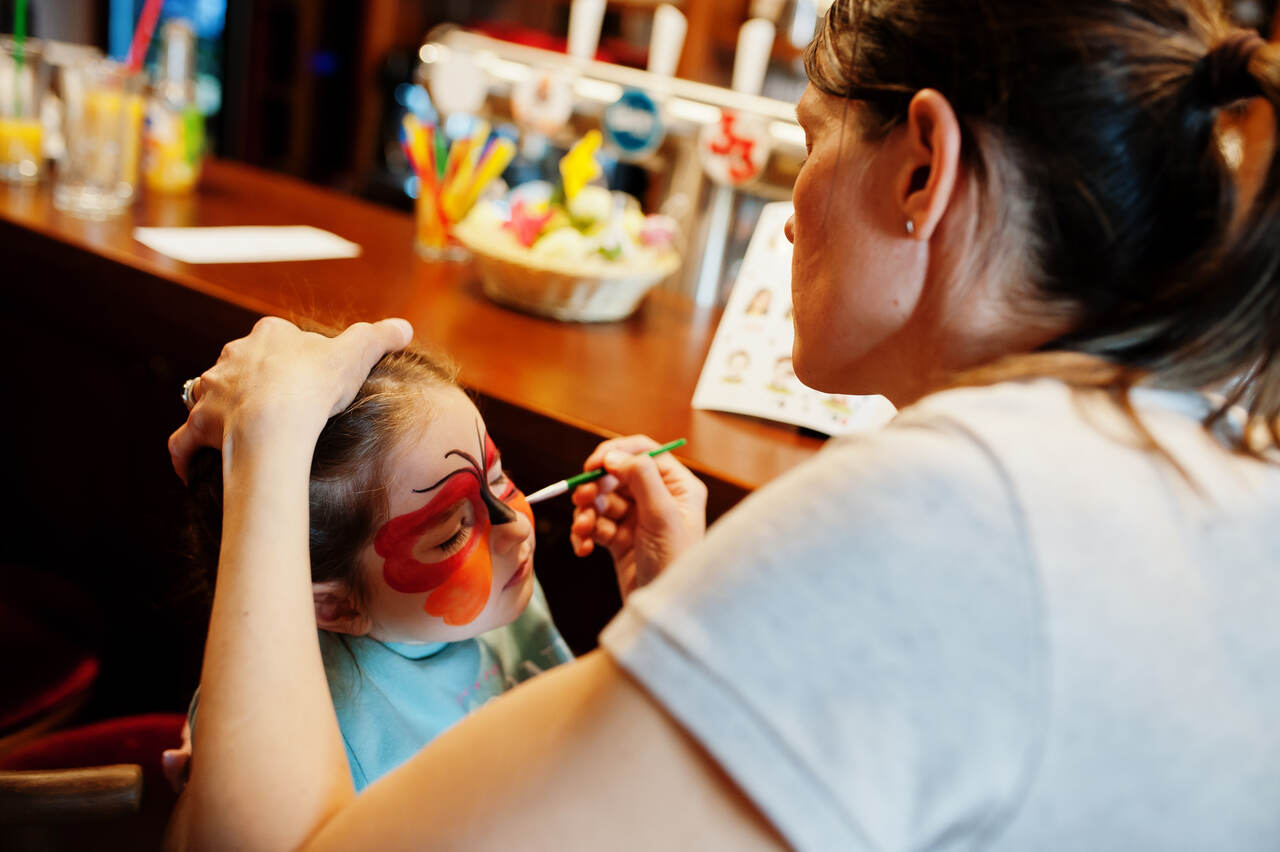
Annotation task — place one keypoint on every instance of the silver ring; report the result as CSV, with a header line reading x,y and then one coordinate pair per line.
x,y
188,397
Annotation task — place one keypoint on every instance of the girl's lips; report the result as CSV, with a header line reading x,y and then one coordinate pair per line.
x,y
523,570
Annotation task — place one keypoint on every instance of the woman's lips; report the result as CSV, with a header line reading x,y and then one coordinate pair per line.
x,y
522,570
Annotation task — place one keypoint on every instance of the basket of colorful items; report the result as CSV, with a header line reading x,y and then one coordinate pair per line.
x,y
573,251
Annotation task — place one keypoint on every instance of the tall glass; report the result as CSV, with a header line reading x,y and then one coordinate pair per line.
x,y
24,79
103,109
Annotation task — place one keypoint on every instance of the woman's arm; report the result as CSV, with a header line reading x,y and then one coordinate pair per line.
x,y
269,767
579,757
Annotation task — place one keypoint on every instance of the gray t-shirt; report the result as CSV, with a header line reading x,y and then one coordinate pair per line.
x,y
999,623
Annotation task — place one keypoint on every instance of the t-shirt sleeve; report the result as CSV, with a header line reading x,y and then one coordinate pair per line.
x,y
859,645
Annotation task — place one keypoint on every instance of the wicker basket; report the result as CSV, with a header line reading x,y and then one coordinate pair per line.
x,y
590,291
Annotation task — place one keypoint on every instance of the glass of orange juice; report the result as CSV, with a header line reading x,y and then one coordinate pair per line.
x,y
24,79
103,109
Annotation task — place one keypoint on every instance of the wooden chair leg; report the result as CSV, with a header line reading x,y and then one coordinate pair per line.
x,y
91,793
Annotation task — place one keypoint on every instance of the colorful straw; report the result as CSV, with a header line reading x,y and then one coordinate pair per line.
x,y
493,162
142,34
451,178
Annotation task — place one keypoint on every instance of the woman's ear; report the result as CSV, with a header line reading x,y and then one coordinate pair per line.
x,y
336,609
928,177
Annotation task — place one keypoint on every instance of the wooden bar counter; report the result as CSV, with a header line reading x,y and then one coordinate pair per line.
x,y
100,332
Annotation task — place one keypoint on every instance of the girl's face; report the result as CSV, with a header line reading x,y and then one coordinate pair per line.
x,y
455,558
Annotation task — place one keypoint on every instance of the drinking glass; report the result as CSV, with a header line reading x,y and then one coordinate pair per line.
x,y
24,79
103,110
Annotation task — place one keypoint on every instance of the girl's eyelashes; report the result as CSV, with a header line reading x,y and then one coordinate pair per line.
x,y
454,543
460,521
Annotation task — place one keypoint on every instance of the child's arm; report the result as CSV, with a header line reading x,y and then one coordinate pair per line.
x,y
656,512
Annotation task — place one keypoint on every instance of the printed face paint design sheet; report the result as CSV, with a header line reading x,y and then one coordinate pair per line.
x,y
748,370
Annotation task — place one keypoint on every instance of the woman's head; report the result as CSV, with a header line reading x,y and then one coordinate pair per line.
x,y
1028,173
417,535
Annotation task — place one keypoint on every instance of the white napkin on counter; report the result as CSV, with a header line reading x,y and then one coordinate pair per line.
x,y
246,244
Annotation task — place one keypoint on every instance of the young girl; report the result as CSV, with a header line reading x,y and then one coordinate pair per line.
x,y
421,563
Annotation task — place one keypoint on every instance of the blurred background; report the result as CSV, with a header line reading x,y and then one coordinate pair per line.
x,y
315,88
308,87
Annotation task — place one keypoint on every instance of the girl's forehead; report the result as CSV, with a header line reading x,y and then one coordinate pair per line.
x,y
452,425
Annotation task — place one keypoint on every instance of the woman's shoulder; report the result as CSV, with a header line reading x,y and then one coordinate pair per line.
x,y
1016,403
1071,436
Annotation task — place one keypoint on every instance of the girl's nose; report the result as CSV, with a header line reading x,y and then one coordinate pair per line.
x,y
511,535
790,229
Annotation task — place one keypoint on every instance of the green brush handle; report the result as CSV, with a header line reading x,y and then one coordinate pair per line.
x,y
593,475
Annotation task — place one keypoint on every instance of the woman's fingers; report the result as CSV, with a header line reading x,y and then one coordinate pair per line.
x,y
277,365
612,505
606,530
643,479
582,531
586,494
361,345
188,438
590,527
182,446
630,444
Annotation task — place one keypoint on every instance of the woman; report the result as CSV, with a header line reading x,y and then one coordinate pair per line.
x,y
1033,613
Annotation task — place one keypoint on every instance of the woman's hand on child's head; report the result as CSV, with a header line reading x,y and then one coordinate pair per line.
x,y
281,381
648,511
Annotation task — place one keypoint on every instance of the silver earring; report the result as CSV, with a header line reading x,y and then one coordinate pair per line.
x,y
911,227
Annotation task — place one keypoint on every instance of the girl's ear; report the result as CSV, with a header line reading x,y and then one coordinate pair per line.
x,y
930,169
336,609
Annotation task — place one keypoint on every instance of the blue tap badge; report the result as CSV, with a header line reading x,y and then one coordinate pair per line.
x,y
633,125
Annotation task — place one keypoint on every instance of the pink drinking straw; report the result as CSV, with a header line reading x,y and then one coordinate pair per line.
x,y
142,35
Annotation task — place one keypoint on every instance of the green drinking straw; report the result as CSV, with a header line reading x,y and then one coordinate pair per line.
x,y
19,52
19,30
561,487
442,151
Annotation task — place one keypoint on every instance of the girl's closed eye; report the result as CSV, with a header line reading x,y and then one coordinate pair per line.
x,y
454,543
448,536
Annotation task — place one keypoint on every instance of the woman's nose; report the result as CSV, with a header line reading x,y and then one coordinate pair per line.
x,y
790,229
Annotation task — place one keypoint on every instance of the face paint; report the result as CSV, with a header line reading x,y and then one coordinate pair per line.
x,y
395,541
459,582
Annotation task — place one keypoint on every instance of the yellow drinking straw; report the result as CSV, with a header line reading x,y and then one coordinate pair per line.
x,y
495,161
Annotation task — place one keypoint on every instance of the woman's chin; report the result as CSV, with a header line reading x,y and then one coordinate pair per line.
x,y
822,378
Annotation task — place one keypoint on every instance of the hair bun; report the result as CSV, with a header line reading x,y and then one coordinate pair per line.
x,y
1223,73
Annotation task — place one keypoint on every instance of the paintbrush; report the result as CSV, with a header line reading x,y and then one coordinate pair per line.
x,y
564,485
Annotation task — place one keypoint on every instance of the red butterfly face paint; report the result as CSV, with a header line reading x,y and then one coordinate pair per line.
x,y
406,571
447,547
